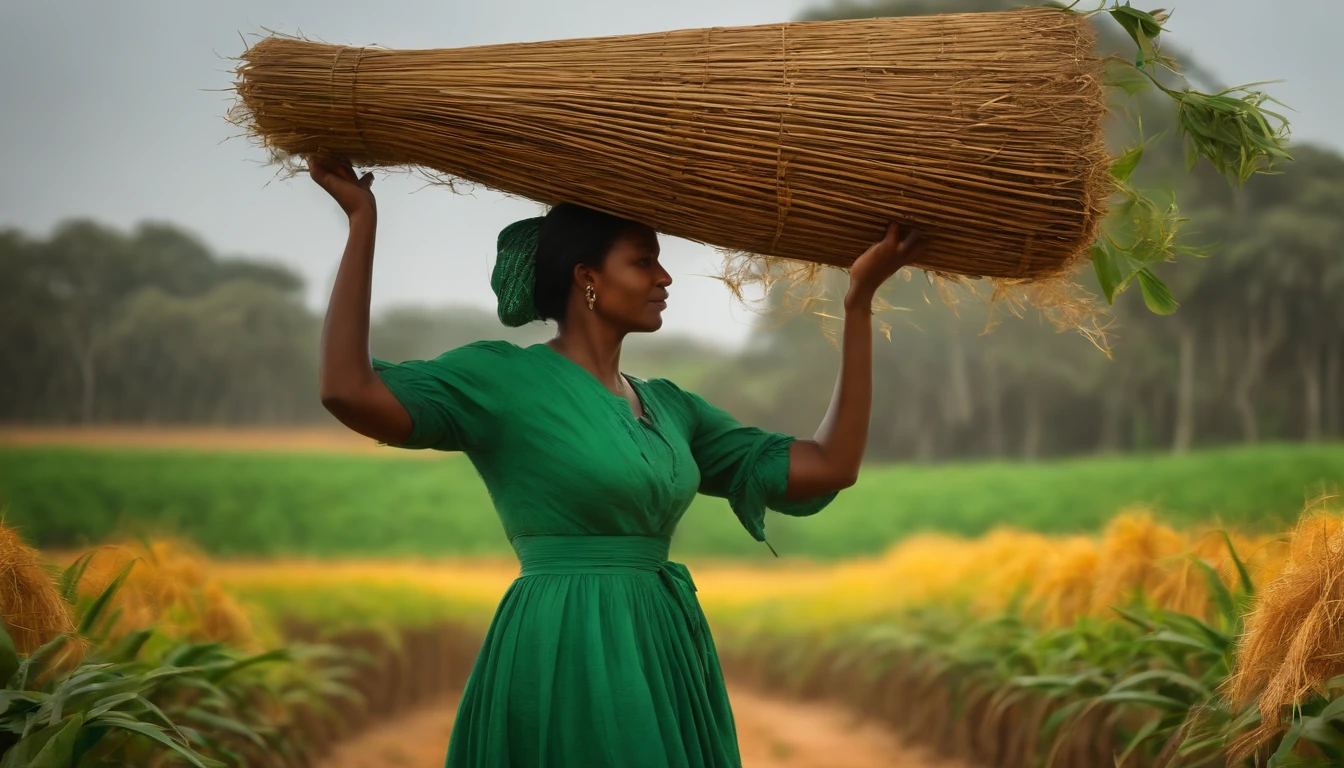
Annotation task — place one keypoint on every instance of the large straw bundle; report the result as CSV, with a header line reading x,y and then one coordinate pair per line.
x,y
791,140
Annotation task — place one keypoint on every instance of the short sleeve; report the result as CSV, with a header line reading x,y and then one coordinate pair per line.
x,y
454,399
748,466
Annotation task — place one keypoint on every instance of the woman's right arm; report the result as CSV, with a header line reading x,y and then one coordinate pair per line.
x,y
350,389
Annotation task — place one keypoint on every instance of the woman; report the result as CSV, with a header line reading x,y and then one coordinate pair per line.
x,y
598,654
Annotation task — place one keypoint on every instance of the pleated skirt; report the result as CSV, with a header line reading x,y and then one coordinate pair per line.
x,y
597,657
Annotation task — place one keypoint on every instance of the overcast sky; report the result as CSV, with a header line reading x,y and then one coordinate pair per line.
x,y
107,111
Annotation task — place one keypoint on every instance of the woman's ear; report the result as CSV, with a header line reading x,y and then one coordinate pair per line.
x,y
584,275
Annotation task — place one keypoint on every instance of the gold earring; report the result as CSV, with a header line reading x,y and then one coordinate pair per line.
x,y
592,297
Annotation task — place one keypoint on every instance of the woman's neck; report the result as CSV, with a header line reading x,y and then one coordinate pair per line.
x,y
596,350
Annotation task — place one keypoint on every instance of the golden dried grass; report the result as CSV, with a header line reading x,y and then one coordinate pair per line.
x,y
798,141
169,586
1294,639
31,605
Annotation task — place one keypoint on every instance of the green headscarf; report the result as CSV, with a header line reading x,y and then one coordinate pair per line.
x,y
515,275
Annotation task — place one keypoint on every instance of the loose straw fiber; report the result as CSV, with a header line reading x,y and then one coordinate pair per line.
x,y
790,140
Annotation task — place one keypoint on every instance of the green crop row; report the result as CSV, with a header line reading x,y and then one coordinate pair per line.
x,y
255,504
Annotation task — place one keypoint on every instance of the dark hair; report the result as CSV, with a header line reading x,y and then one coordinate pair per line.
x,y
570,235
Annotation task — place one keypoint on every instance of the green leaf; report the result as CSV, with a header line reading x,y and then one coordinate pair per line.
x,y
1143,733
1142,27
1322,734
90,618
1247,584
1156,294
1174,638
156,734
1107,267
1285,749
279,654
59,751
1134,618
220,723
33,667
1218,591
1124,166
1144,697
1333,710
1125,76
9,656
1169,676
1061,716
51,747
111,702
72,575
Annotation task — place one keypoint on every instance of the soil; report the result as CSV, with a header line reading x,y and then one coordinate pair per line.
x,y
772,733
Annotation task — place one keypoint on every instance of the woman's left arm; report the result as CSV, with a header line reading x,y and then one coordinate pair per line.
x,y
830,460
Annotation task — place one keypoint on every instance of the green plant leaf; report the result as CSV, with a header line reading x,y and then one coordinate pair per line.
x,y
1123,167
154,733
90,618
9,656
1106,263
59,750
1143,29
1156,295
73,574
1247,584
225,670
221,723
33,667
1156,700
1285,750
1125,76
1140,736
1169,676
130,646
50,747
1218,591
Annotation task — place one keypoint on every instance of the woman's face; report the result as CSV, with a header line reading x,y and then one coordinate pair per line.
x,y
632,286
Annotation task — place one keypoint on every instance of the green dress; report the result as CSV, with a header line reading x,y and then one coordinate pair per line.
x,y
598,654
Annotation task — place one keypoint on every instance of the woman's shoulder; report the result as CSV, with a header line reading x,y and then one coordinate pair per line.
x,y
485,350
674,395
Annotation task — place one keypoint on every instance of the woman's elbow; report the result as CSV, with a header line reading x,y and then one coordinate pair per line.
x,y
846,480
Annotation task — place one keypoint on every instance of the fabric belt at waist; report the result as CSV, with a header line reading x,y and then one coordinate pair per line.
x,y
612,555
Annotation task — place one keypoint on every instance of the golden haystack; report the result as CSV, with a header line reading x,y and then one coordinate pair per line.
x,y
796,140
30,603
1294,638
1063,593
1136,553
169,586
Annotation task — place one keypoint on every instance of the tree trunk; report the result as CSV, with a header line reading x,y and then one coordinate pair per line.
x,y
1309,363
1112,415
958,408
998,438
1185,394
88,381
1334,387
1260,342
1033,429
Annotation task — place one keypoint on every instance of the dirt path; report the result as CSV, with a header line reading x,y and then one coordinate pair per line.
x,y
771,734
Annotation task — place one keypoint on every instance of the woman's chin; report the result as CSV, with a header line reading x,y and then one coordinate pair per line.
x,y
650,323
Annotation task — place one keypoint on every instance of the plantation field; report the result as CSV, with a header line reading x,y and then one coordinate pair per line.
x,y
326,503
1113,647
